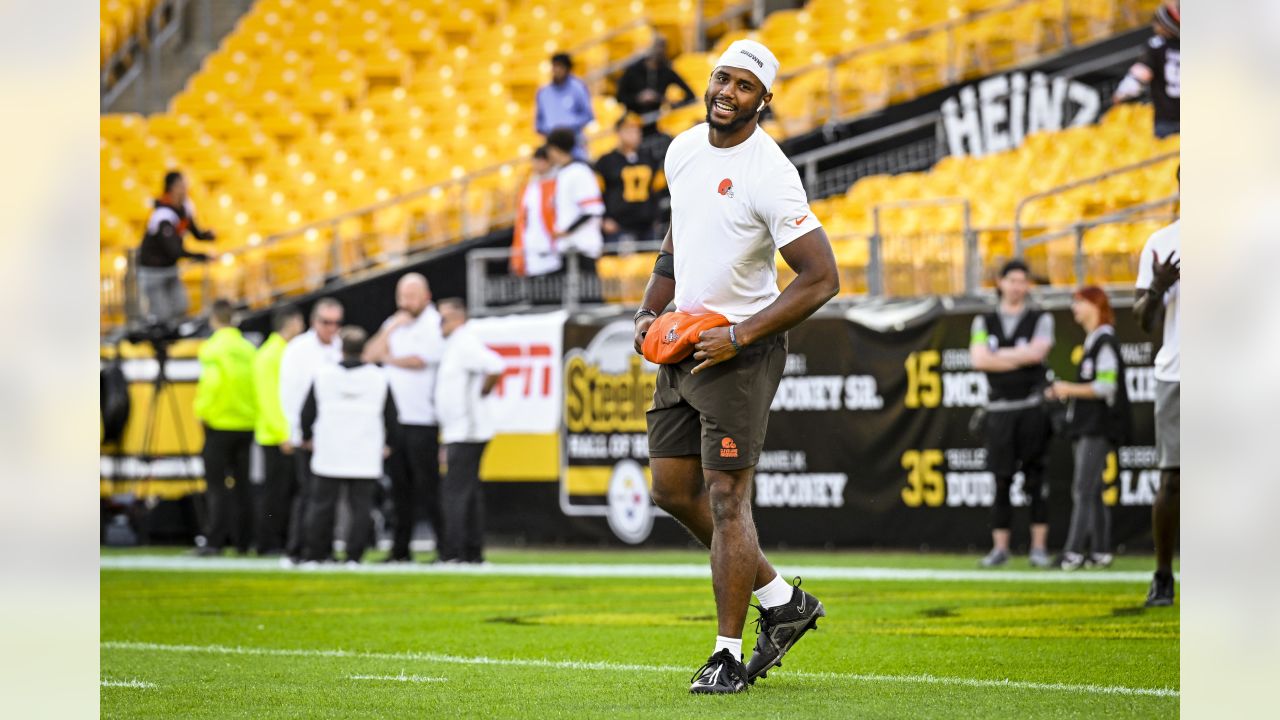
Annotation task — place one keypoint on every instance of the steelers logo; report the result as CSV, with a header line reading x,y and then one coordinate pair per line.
x,y
630,510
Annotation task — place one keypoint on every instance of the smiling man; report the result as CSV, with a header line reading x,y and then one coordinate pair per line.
x,y
735,201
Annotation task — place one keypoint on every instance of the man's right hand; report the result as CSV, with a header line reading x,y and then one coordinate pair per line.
x,y
1164,274
286,448
609,225
642,327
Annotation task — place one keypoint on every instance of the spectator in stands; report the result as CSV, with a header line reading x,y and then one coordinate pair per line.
x,y
349,424
1097,421
408,347
629,177
303,357
1010,345
565,102
1160,68
643,86
469,372
271,432
162,247
579,208
225,405
533,250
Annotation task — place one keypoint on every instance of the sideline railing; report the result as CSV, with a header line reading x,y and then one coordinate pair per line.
x,y
492,288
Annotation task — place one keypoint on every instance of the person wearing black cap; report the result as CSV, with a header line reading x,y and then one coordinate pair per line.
x,y
642,89
161,249
1159,67
1010,345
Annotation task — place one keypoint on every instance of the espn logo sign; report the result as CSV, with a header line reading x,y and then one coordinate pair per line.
x,y
530,368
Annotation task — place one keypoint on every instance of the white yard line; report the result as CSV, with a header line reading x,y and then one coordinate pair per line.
x,y
137,684
411,656
178,563
398,678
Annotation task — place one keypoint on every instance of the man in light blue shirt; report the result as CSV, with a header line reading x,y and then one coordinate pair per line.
x,y
564,102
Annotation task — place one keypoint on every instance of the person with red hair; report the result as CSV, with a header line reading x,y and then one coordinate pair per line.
x,y
1097,422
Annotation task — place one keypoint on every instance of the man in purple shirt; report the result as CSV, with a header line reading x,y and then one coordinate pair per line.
x,y
564,102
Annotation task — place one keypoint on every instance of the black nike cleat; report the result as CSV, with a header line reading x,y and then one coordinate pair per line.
x,y
722,674
1161,592
778,628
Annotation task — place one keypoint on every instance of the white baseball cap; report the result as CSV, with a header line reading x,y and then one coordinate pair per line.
x,y
753,57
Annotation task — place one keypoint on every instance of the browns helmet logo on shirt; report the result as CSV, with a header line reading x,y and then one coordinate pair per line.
x,y
726,187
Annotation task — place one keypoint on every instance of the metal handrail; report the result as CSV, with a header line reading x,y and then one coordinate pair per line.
x,y
1074,184
875,263
1079,227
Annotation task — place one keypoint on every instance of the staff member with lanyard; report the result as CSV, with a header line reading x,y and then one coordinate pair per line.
x,y
1098,421
1010,345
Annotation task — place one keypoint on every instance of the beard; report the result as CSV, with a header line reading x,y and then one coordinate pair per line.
x,y
739,120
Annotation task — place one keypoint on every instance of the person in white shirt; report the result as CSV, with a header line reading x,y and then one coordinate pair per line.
x,y
1159,290
469,371
533,251
303,356
579,209
349,425
408,346
735,201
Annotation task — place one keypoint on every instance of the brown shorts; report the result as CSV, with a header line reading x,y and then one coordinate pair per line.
x,y
722,412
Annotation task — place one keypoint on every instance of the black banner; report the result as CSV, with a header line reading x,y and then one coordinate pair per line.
x,y
868,443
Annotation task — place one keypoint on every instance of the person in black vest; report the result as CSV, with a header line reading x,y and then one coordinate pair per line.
x,y
161,249
1010,345
1098,421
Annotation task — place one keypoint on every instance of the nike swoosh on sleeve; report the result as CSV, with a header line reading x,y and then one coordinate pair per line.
x,y
801,220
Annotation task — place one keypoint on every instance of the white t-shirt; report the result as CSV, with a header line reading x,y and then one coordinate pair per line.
x,y
578,194
1163,242
302,357
414,390
731,209
464,414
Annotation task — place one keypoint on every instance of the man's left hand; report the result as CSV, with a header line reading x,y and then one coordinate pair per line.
x,y
713,347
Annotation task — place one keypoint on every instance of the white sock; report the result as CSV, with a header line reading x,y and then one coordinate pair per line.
x,y
733,644
774,593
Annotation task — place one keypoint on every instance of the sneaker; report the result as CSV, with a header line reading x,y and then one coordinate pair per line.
x,y
1071,561
1040,558
995,558
778,628
289,562
1161,592
722,674
1101,560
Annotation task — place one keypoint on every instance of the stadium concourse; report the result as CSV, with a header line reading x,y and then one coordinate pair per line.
x,y
327,154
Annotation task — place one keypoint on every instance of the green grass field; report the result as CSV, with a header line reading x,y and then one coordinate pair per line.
x,y
265,643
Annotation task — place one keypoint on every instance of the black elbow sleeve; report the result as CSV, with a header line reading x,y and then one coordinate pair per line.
x,y
665,266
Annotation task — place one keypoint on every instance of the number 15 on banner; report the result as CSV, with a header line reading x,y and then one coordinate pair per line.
x,y
925,483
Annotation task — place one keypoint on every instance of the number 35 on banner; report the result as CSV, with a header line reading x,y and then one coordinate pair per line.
x,y
925,483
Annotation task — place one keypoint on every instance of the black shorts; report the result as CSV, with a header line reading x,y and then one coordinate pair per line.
x,y
1016,439
722,412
